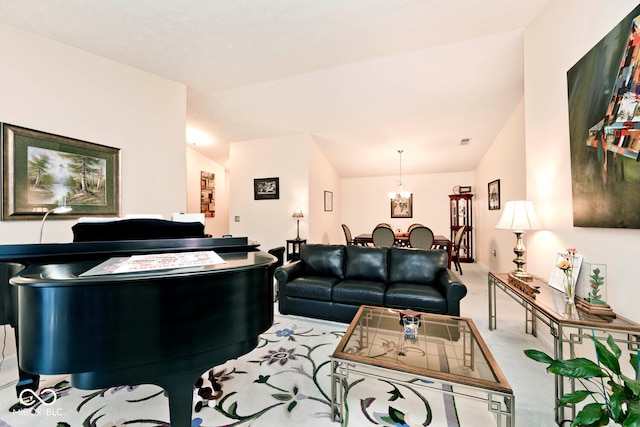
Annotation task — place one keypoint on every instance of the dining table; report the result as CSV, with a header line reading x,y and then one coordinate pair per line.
x,y
402,239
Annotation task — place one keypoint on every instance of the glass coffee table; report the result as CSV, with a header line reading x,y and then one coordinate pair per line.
x,y
470,370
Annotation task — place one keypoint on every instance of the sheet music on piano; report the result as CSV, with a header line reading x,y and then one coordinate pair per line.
x,y
151,262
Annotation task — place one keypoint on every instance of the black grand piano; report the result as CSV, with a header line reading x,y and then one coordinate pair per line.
x,y
164,327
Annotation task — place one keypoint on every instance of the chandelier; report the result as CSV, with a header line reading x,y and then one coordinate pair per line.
x,y
399,194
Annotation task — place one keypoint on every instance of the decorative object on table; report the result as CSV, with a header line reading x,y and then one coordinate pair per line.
x,y
266,188
519,216
494,195
297,214
616,396
328,201
465,189
56,211
598,312
597,284
410,321
564,275
39,169
208,194
524,286
607,132
461,206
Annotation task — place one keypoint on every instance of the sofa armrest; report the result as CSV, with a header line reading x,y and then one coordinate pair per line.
x,y
288,272
453,290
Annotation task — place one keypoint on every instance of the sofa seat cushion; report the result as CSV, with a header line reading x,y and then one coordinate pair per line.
x,y
312,287
359,292
416,297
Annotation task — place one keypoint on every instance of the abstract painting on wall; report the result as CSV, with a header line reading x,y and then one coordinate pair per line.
x,y
208,194
604,127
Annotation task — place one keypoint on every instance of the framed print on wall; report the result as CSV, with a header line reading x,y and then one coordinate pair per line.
x,y
328,201
41,171
494,195
402,207
266,188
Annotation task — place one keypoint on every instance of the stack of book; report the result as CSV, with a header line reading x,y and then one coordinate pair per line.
x,y
595,310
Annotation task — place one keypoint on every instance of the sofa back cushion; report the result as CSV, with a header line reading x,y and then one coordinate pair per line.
x,y
323,260
366,263
415,265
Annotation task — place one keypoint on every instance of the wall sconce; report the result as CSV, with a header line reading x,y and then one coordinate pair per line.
x,y
519,216
55,211
297,214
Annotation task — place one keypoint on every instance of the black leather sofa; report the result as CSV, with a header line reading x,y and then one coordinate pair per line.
x,y
332,281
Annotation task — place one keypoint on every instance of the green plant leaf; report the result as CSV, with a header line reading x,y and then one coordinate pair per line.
x,y
633,360
615,404
575,397
632,384
576,368
538,356
633,417
614,347
590,415
605,357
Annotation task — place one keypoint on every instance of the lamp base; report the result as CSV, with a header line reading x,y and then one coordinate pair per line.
x,y
522,275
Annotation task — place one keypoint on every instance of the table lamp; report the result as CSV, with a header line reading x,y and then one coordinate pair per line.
x,y
55,211
297,214
519,216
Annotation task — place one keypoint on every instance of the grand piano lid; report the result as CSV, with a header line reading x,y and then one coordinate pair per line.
x,y
69,273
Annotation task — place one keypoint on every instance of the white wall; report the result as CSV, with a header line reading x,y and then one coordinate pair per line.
x,y
197,163
324,226
554,42
505,160
364,201
269,222
54,88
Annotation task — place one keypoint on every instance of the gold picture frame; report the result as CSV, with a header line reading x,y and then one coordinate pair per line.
x,y
41,171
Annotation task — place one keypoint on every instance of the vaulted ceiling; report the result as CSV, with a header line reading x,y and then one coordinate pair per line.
x,y
365,78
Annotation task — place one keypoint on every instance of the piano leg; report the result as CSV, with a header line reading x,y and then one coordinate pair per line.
x,y
180,404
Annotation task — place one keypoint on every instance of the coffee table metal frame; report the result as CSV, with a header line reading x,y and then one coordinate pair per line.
x,y
498,396
567,325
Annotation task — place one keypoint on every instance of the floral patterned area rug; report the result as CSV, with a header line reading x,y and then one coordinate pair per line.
x,y
284,381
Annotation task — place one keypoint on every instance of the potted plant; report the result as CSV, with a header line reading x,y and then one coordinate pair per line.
x,y
616,397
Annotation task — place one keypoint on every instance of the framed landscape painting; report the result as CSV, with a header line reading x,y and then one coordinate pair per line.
x,y
41,171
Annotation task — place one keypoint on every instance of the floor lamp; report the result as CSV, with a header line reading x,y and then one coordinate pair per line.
x,y
519,216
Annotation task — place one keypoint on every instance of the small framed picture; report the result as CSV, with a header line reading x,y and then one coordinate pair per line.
x,y
266,188
328,201
402,207
494,195
465,189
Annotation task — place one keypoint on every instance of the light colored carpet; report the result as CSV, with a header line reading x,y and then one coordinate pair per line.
x,y
285,381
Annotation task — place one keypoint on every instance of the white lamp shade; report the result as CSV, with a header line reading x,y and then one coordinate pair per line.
x,y
519,215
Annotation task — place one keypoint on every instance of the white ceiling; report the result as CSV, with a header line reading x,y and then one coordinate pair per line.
x,y
363,77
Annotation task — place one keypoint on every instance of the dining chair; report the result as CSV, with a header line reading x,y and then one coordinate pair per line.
x,y
347,234
383,237
384,224
455,250
412,226
421,237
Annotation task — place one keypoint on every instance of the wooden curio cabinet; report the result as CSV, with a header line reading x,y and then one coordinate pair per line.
x,y
461,207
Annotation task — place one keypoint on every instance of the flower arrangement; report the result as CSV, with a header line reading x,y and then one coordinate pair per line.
x,y
566,265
